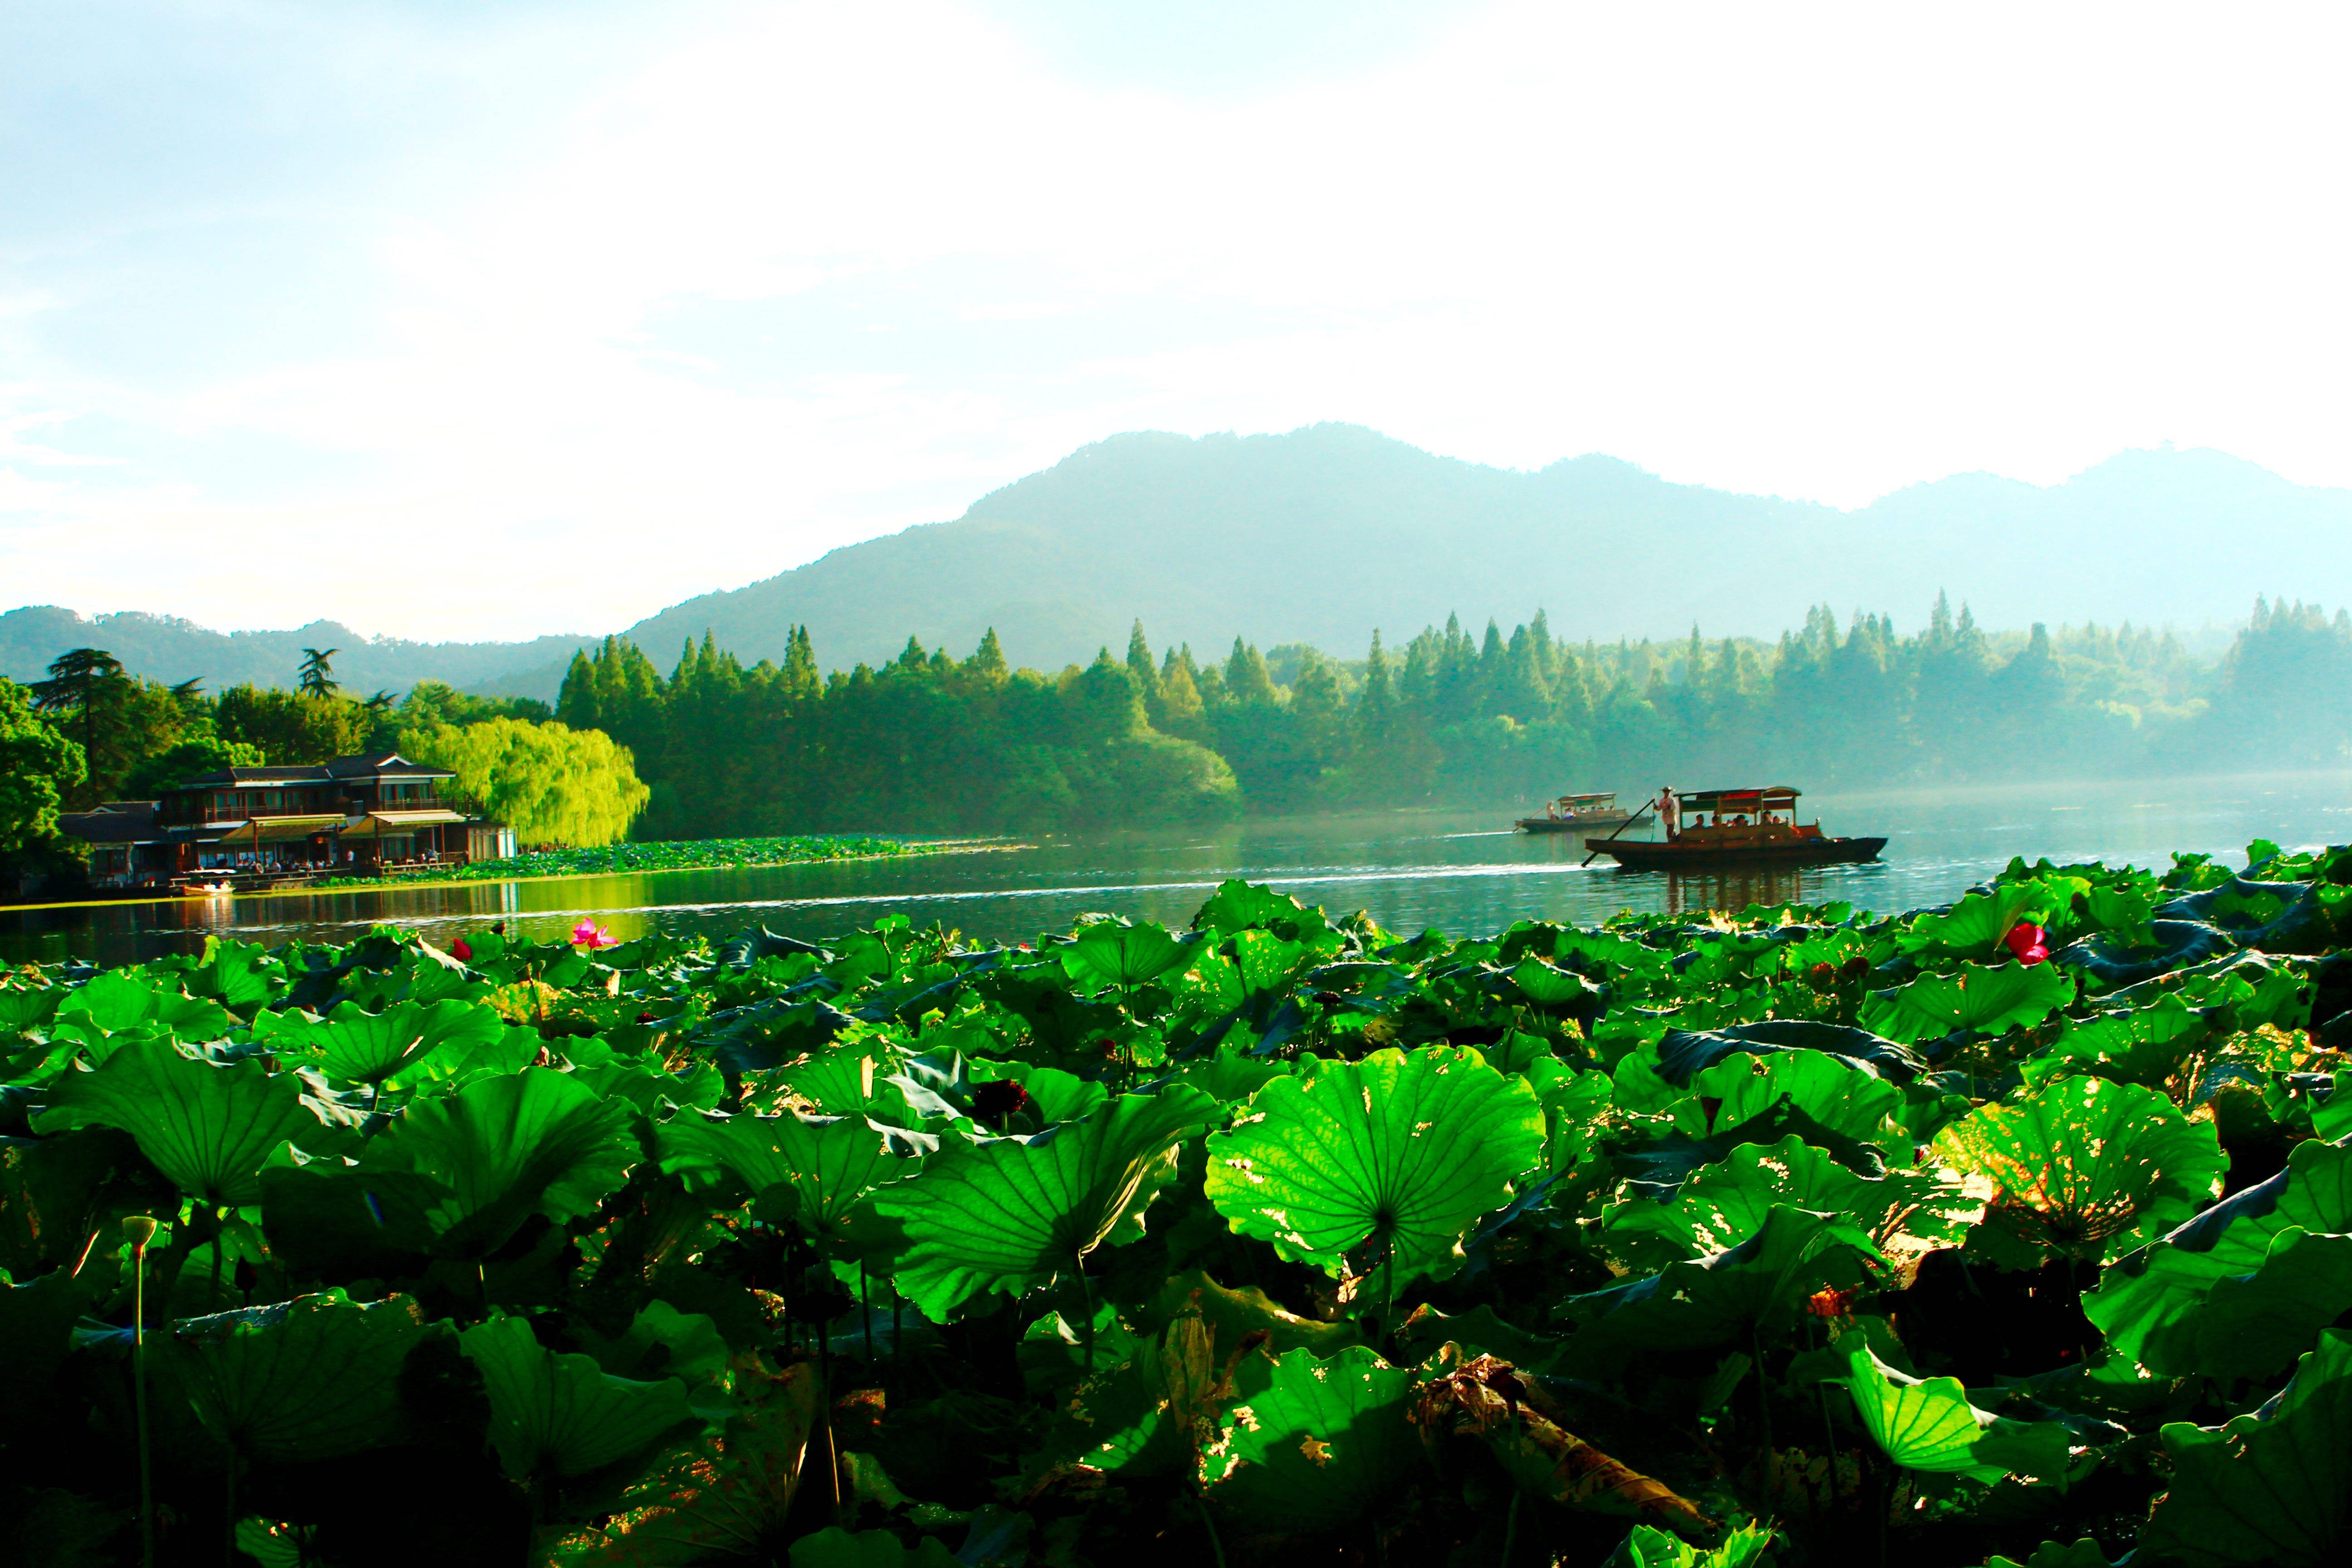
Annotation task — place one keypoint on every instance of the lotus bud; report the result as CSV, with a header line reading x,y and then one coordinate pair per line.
x,y
138,1229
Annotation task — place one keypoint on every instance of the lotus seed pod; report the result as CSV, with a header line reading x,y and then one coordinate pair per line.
x,y
138,1229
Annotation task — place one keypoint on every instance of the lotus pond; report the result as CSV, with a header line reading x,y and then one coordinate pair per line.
x,y
2017,1230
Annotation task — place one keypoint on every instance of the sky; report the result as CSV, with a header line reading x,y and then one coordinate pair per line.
x,y
461,319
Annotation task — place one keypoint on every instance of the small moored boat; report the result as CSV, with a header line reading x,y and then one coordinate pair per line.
x,y
1577,814
1737,827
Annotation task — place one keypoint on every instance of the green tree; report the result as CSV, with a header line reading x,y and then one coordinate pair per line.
x,y
316,678
549,782
290,727
39,768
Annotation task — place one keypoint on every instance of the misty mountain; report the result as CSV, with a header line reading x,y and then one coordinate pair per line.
x,y
167,649
1321,534
1324,533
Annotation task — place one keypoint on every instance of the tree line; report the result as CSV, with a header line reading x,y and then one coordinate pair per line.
x,y
927,742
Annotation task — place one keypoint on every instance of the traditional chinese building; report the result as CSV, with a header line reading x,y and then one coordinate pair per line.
x,y
357,815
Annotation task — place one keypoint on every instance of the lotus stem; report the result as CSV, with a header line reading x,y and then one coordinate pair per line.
x,y
1086,1295
140,1230
1511,1527
1209,1523
866,1306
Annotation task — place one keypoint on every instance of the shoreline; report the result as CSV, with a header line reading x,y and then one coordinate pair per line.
x,y
912,850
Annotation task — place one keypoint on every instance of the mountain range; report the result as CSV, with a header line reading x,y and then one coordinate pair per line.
x,y
1324,533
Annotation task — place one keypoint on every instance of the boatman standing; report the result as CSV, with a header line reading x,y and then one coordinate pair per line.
x,y
1670,811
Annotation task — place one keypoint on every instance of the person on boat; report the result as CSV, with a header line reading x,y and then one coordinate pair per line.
x,y
1670,811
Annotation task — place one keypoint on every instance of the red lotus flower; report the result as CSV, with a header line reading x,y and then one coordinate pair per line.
x,y
1823,976
645,1018
463,949
589,934
999,1101
1832,1304
2028,943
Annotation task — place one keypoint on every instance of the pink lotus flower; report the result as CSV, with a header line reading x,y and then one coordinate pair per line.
x,y
2028,943
463,950
589,934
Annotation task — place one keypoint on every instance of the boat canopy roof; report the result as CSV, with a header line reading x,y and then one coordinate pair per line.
x,y
1776,797
1598,797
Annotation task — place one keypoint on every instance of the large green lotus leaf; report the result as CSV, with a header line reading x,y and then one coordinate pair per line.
x,y
359,1046
1927,1423
307,1379
505,1148
1320,1445
1115,953
2081,1168
1011,1213
1684,1053
1408,1151
24,1007
1725,1204
1647,1546
2240,1290
207,1128
1761,1286
555,1414
1834,1093
2273,1488
1977,923
1548,985
1575,1106
1056,1095
2142,1045
825,1165
1237,906
1989,999
724,1497
121,999
239,975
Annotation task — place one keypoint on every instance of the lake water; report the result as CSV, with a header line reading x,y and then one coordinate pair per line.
x,y
1463,873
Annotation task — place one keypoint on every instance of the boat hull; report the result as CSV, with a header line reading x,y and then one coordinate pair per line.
x,y
1650,855
1595,822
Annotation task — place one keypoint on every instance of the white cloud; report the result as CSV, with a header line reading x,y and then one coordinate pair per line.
x,y
1823,251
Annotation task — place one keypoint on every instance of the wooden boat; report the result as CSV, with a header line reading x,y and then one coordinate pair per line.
x,y
1738,827
1577,814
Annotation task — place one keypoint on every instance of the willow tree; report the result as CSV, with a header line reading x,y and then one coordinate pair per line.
x,y
551,784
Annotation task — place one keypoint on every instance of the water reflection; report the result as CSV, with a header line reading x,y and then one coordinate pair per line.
x,y
1463,873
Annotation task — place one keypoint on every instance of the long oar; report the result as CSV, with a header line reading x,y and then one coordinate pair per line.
x,y
1620,827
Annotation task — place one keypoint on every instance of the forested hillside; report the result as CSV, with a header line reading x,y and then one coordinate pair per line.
x,y
929,742
1324,533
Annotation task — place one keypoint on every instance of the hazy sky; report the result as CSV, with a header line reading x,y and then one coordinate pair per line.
x,y
455,317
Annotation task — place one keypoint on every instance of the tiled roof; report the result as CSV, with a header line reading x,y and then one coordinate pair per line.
x,y
116,822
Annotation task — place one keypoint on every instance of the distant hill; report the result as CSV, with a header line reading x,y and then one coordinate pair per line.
x,y
166,648
1324,533
1321,534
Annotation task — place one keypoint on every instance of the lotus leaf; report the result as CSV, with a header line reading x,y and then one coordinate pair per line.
x,y
501,1150
1403,1151
1723,1204
359,1046
555,1415
2272,1488
2081,1168
120,1001
312,1378
1124,956
207,1128
1649,1547
1927,1423
1975,925
1762,1285
2240,1290
1983,998
726,1495
825,1166
1012,1213
1322,1444
1684,1053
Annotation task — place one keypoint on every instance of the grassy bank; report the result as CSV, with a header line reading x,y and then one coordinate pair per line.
x,y
683,855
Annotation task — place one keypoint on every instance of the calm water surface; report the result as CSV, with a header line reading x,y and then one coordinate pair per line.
x,y
1463,873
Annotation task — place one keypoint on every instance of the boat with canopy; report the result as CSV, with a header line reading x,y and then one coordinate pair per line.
x,y
1737,827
